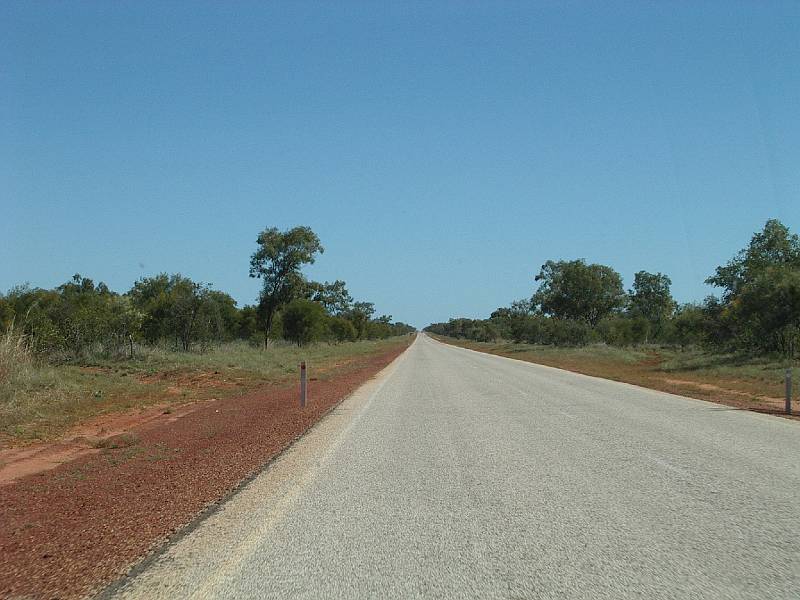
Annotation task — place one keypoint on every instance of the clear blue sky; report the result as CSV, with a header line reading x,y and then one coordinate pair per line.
x,y
442,151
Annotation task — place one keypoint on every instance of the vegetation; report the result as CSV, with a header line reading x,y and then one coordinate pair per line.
x,y
303,321
81,348
751,382
39,400
277,262
575,291
81,320
577,303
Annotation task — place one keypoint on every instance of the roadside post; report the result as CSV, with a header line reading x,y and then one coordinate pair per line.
x,y
303,384
788,391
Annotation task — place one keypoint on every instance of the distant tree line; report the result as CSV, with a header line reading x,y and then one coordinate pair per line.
x,y
578,303
80,318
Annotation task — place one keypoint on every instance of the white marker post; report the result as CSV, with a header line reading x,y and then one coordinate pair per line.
x,y
303,384
788,391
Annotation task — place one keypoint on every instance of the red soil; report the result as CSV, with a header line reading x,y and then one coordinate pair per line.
x,y
68,531
87,438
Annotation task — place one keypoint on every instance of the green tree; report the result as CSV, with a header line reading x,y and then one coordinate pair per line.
x,y
36,313
218,319
342,330
171,305
618,330
359,314
277,262
152,295
126,322
514,322
249,325
566,332
758,309
187,299
578,291
688,326
650,299
774,246
76,319
83,314
303,321
334,297
767,310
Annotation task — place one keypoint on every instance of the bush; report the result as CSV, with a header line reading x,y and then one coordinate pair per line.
x,y
532,329
342,330
624,331
687,327
567,332
304,321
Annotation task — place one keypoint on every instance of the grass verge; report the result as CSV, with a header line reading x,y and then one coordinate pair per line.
x,y
752,383
40,401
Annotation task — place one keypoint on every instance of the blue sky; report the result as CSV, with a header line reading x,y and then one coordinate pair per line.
x,y
442,151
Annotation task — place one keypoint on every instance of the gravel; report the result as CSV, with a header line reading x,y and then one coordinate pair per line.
x,y
465,475
68,531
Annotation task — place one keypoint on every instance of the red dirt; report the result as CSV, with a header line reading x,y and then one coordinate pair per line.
x,y
82,440
192,380
736,393
68,531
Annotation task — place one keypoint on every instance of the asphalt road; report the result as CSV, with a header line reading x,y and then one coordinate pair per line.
x,y
463,475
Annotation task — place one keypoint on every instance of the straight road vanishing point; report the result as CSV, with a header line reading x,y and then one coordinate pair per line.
x,y
456,474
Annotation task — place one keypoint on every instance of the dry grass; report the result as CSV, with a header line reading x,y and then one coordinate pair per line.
x,y
24,385
40,401
754,383
15,356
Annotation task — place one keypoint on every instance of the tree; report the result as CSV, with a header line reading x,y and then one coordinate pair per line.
x,y
618,330
36,313
248,324
342,330
334,297
575,290
303,321
188,298
73,320
516,322
218,319
760,305
83,313
359,315
688,325
277,262
774,246
126,322
566,332
171,305
400,328
484,331
651,300
766,311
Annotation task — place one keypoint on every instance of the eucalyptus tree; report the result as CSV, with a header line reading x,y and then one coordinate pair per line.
x,y
334,297
650,299
277,262
576,290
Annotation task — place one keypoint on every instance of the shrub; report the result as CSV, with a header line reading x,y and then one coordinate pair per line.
x,y
342,330
568,332
303,321
624,331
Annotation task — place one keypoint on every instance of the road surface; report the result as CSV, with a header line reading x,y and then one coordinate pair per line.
x,y
464,475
